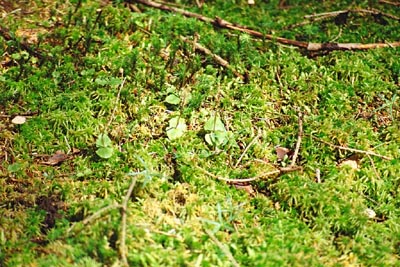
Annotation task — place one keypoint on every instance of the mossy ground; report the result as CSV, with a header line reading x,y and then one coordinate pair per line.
x,y
101,68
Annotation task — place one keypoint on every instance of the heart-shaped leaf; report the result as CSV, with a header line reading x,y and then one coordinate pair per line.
x,y
103,140
105,152
214,124
177,127
172,99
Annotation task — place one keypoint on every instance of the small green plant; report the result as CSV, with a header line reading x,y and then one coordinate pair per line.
x,y
176,129
218,135
104,146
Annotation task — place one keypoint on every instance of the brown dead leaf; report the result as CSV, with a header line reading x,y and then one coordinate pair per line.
x,y
30,35
246,187
56,159
281,152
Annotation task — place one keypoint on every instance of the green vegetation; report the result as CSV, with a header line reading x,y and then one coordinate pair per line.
x,y
116,100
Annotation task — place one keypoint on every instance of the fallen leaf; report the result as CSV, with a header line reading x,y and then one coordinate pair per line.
x,y
281,152
246,187
56,159
19,120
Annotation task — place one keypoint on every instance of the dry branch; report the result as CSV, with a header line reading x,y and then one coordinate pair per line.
x,y
312,47
215,57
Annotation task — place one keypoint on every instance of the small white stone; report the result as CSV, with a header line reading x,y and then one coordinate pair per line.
x,y
370,213
19,120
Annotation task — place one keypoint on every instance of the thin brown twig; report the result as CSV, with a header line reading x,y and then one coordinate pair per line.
x,y
299,137
251,179
373,166
222,62
359,10
390,2
312,47
116,104
353,149
95,215
223,248
246,149
124,208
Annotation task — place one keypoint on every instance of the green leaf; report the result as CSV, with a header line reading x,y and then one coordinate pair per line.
x,y
103,140
114,81
101,81
214,124
105,152
172,99
14,167
176,129
217,138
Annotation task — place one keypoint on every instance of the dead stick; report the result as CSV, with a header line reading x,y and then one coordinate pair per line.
x,y
124,208
298,143
246,149
95,215
314,47
353,149
389,2
215,57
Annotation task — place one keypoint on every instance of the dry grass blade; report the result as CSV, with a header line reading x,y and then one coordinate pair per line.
x,y
299,137
224,249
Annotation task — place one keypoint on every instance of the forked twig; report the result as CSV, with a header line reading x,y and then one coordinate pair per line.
x,y
222,62
298,143
353,149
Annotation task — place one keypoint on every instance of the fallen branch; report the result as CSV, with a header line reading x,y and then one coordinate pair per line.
x,y
312,47
222,62
370,153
